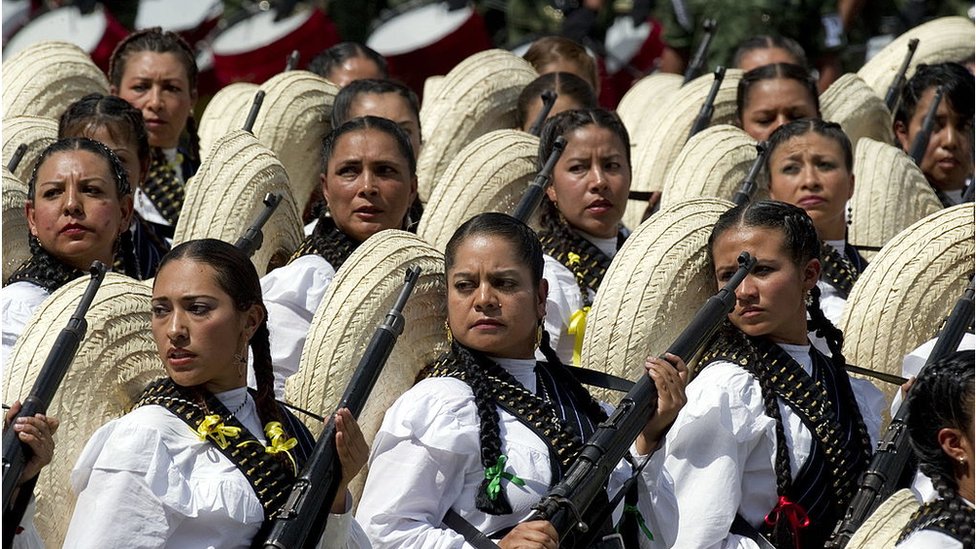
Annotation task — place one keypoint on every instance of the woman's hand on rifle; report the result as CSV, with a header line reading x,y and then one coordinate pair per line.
x,y
38,433
353,453
670,377
534,534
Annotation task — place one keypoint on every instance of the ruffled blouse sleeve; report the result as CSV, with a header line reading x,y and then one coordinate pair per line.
x,y
563,300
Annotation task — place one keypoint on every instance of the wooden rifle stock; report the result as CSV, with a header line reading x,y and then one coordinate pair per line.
x,y
708,107
16,454
533,196
567,504
744,193
921,141
893,96
894,449
698,62
253,237
303,517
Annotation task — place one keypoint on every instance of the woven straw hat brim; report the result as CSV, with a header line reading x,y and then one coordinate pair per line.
x,y
642,102
489,175
902,298
883,527
432,85
226,112
226,195
890,193
37,132
114,362
44,79
479,95
941,40
15,229
713,163
356,302
654,286
857,108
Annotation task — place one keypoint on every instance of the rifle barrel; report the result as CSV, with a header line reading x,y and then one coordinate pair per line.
x,y
708,107
893,95
253,236
548,100
252,115
533,196
748,186
698,61
921,141
17,157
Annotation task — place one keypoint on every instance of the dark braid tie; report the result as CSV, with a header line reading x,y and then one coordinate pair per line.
x,y
164,187
327,241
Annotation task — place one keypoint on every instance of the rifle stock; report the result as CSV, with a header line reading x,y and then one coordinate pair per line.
x,y
748,186
893,95
303,517
921,141
533,195
16,454
566,505
708,107
253,237
894,449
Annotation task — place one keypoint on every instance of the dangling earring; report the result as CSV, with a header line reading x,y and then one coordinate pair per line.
x,y
447,331
809,298
538,335
850,214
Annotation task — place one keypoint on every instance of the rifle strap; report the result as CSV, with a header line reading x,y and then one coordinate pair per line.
x,y
475,538
600,379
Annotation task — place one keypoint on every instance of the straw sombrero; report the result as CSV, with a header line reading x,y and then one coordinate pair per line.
x,y
642,102
226,195
113,364
356,302
225,112
902,298
479,95
890,193
712,163
37,132
653,288
857,108
941,40
489,175
432,85
15,230
44,79
884,526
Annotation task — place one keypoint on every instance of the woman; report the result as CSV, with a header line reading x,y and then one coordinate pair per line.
x,y
744,442
572,93
383,98
368,181
581,230
559,54
467,432
156,72
772,95
201,461
78,206
347,62
119,126
940,425
810,165
948,159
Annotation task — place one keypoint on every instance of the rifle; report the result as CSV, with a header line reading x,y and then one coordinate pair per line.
x,y
567,504
698,61
252,115
303,517
921,141
708,108
744,193
17,157
16,454
253,237
292,62
533,196
891,458
548,100
893,96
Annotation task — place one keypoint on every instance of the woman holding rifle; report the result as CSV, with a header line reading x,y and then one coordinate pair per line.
x,y
775,433
480,439
201,460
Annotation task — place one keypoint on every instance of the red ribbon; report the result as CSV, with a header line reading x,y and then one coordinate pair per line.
x,y
794,513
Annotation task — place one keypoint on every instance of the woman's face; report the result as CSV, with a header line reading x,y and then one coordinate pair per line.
x,y
354,68
492,304
127,151
591,181
391,106
76,213
368,185
770,301
948,159
158,85
808,171
771,103
198,330
563,103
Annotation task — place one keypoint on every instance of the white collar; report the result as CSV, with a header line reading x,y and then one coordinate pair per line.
x,y
606,245
837,245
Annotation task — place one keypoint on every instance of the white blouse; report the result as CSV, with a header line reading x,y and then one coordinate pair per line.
x,y
292,294
142,204
426,459
18,302
722,451
831,302
146,480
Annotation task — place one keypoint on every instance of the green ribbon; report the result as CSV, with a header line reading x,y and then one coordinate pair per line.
x,y
495,474
640,520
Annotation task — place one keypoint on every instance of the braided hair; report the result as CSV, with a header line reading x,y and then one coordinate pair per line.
x,y
122,189
774,71
957,82
942,397
803,126
122,121
235,275
156,40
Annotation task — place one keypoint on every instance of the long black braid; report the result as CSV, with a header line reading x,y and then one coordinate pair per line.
x,y
942,397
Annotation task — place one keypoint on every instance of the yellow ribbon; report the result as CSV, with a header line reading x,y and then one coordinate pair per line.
x,y
573,258
577,327
213,427
276,434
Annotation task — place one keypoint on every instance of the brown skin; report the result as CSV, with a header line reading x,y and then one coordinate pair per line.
x,y
38,433
765,56
772,103
353,453
355,68
958,445
948,160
